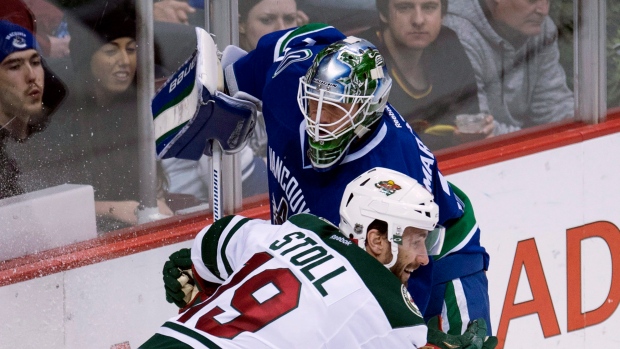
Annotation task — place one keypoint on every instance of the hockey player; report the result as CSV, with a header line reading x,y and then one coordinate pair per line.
x,y
324,103
304,284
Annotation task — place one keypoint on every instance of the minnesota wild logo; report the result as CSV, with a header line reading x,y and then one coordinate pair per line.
x,y
409,301
388,187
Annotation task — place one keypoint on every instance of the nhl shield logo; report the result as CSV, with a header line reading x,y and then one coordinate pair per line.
x,y
388,187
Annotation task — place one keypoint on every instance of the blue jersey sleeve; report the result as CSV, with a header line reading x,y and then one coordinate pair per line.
x,y
254,71
251,70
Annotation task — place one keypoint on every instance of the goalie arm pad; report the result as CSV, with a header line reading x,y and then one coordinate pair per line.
x,y
230,55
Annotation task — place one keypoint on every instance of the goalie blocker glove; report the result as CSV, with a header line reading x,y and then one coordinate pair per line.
x,y
190,111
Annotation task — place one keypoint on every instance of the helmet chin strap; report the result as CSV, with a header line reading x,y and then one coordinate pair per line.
x,y
394,255
361,130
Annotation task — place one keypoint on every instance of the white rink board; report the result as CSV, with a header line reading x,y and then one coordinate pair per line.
x,y
32,313
539,197
532,199
95,306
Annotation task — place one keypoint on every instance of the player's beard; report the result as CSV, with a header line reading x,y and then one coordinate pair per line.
x,y
398,269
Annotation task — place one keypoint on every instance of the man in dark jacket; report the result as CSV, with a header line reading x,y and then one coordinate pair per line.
x,y
433,79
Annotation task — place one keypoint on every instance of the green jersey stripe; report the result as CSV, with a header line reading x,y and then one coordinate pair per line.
x,y
458,234
190,333
211,240
209,245
303,30
160,341
454,313
229,235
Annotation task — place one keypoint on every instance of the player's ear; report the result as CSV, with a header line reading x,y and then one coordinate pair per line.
x,y
377,244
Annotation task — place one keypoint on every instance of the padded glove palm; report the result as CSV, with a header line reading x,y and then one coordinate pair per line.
x,y
475,336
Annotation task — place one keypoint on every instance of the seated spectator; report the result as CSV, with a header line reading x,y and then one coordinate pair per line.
x,y
51,28
433,80
260,17
173,11
512,46
256,18
350,16
102,113
29,94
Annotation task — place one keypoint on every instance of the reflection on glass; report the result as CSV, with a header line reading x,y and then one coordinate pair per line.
x,y
433,80
519,65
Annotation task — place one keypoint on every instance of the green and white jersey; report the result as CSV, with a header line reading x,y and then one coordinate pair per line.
x,y
297,285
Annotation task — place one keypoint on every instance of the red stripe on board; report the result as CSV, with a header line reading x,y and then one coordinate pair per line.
x,y
117,244
526,142
183,228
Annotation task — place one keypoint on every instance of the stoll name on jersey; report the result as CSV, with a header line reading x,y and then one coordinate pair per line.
x,y
310,258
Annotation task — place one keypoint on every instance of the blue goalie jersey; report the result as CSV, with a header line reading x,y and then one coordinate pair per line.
x,y
271,73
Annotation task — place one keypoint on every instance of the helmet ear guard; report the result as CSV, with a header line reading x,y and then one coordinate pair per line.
x,y
349,75
395,198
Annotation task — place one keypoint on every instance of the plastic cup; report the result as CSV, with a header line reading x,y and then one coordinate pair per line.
x,y
470,123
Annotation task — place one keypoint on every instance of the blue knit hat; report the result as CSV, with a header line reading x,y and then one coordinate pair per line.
x,y
14,38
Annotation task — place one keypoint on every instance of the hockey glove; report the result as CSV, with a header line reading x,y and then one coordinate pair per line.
x,y
474,337
178,278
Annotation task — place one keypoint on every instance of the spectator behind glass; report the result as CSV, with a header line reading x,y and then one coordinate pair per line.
x,y
433,79
257,18
53,39
173,11
103,51
25,104
512,45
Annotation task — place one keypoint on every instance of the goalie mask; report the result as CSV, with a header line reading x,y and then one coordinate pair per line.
x,y
394,198
341,96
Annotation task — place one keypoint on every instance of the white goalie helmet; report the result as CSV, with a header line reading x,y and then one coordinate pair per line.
x,y
351,76
394,198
